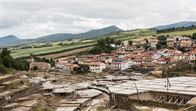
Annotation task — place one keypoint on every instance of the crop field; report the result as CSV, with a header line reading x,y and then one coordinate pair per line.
x,y
66,53
44,50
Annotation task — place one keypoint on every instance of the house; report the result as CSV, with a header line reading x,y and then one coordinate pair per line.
x,y
43,66
86,61
120,55
153,43
65,65
138,60
139,50
119,64
177,57
96,67
192,55
125,43
170,42
194,42
183,41
70,66
60,64
106,58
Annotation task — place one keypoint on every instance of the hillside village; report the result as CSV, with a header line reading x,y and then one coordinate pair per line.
x,y
127,56
97,55
151,71
107,80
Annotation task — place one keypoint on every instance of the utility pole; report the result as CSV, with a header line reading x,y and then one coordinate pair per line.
x,y
167,80
136,88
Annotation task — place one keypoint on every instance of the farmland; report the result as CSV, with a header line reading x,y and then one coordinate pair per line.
x,y
66,53
44,50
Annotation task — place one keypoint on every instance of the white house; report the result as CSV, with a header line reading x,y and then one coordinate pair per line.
x,y
153,43
192,55
138,61
65,66
120,65
96,67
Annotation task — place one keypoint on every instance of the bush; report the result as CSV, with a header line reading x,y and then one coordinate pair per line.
x,y
81,69
35,68
3,69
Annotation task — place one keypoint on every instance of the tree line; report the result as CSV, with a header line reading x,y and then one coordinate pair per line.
x,y
176,29
6,62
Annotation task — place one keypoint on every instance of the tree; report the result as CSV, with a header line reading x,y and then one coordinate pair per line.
x,y
162,42
81,69
147,44
130,42
0,59
119,42
6,59
35,68
5,52
52,62
21,65
194,36
103,46
3,69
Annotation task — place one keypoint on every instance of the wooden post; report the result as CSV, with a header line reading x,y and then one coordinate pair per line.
x,y
136,89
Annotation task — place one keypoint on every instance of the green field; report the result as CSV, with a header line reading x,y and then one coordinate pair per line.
x,y
44,50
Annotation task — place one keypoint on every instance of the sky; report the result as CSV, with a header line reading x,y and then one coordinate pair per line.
x,y
35,18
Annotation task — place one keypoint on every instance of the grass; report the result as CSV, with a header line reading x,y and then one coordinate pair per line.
x,y
44,50
66,53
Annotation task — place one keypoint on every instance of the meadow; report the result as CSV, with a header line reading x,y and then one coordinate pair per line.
x,y
44,50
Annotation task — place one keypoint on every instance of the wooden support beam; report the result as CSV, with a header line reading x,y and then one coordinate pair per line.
x,y
176,101
170,100
159,99
164,99
181,101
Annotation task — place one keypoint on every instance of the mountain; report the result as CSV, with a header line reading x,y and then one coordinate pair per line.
x,y
54,37
12,40
99,32
176,25
9,40
90,34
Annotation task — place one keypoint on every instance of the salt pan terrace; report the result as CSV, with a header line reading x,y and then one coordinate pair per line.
x,y
180,85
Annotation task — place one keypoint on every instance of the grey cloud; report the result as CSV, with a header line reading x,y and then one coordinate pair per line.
x,y
34,18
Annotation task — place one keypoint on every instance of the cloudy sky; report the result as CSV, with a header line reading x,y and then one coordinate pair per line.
x,y
35,18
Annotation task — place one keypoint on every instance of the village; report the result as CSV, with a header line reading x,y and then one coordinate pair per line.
x,y
141,54
132,77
